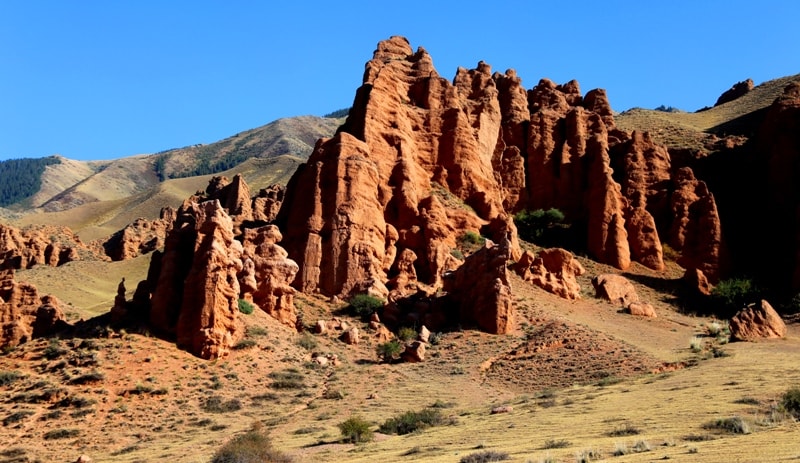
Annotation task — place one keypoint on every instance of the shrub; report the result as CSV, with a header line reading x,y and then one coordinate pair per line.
x,y
364,305
254,446
733,425
471,239
406,333
61,434
457,254
287,379
215,404
556,444
245,307
534,225
732,295
411,421
245,344
356,430
307,341
389,350
791,401
255,331
485,457
626,429
8,377
16,417
54,350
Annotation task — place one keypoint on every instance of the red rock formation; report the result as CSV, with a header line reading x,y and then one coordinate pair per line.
x,y
779,145
412,140
757,322
554,270
140,237
23,314
696,231
481,289
641,309
738,90
40,245
268,202
195,297
272,274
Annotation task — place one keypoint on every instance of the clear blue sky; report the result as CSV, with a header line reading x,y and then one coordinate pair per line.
x,y
107,79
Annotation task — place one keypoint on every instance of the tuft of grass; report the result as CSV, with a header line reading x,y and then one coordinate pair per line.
x,y
389,350
254,446
696,345
9,377
585,456
406,333
486,456
641,446
16,417
556,444
307,341
290,378
61,434
355,430
255,331
626,429
245,344
747,401
216,404
733,425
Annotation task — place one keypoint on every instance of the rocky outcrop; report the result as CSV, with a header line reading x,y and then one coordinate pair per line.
x,y
757,321
554,270
615,289
25,315
413,142
481,290
267,274
640,309
267,203
140,237
738,90
41,245
195,289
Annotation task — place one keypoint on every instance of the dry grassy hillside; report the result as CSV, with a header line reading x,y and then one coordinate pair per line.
x,y
101,218
690,130
606,384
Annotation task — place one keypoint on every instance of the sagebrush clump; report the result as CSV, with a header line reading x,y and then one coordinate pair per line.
x,y
254,446
355,430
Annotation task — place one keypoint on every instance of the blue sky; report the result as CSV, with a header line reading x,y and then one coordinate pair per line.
x,y
107,79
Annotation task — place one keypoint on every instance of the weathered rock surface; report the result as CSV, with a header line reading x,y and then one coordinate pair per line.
x,y
25,315
641,309
615,289
140,237
739,89
195,289
414,352
554,270
273,273
41,245
482,291
757,321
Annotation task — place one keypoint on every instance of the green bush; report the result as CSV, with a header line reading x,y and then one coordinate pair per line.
x,y
533,225
389,350
355,430
364,305
470,238
254,446
245,307
411,421
406,333
734,294
791,401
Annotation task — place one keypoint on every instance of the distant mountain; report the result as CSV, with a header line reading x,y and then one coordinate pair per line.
x,y
61,184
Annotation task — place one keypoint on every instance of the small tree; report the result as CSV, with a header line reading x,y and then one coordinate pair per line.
x,y
533,225
355,430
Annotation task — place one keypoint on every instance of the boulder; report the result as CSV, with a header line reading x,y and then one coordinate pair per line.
x,y
414,352
615,289
554,270
757,321
142,236
738,90
641,309
350,336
